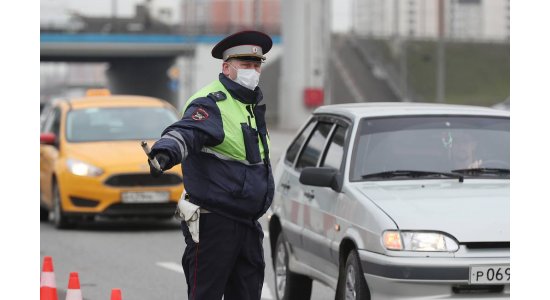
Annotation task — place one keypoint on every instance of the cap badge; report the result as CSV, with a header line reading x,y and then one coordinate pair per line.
x,y
255,50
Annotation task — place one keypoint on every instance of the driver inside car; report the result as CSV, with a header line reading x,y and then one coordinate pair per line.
x,y
462,150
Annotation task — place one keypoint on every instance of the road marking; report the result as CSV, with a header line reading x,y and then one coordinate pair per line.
x,y
172,266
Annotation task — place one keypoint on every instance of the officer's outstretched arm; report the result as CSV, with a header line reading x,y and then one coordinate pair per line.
x,y
200,126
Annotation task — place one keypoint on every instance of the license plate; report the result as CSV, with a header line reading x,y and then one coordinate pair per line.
x,y
145,197
496,274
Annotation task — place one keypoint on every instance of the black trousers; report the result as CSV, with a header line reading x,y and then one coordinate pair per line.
x,y
228,260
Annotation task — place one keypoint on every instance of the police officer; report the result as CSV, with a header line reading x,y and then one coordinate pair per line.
x,y
223,146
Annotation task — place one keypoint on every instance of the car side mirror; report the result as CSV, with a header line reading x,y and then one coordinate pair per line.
x,y
48,138
323,177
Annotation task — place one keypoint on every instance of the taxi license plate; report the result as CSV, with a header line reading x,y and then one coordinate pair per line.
x,y
145,197
496,274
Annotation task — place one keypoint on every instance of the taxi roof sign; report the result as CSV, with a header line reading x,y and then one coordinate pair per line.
x,y
98,92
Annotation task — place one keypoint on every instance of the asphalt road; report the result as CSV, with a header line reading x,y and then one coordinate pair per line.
x,y
140,257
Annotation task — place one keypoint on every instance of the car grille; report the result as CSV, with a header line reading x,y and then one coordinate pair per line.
x,y
135,180
140,210
487,245
478,289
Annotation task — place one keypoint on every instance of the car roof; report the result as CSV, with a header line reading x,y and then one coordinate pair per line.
x,y
115,101
380,109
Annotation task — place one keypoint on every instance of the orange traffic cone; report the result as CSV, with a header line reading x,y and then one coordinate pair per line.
x,y
74,292
48,291
116,294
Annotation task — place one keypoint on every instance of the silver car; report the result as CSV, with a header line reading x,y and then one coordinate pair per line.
x,y
395,201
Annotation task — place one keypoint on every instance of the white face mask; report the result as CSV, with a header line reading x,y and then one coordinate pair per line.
x,y
248,78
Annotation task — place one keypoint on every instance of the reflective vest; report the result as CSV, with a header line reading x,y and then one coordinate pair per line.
x,y
237,120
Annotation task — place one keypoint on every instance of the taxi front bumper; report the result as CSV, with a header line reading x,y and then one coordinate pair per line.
x,y
82,195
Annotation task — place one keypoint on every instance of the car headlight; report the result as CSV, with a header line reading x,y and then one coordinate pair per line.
x,y
418,241
81,168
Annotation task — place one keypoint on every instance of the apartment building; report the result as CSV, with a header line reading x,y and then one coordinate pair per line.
x,y
484,20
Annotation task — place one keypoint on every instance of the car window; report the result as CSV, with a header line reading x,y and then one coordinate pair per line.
x,y
335,152
430,143
314,148
121,123
297,144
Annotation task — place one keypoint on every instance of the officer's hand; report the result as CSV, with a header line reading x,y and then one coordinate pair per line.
x,y
163,160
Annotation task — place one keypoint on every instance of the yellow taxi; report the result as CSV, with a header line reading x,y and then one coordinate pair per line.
x,y
92,163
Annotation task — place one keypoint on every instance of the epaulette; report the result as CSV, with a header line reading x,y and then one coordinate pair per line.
x,y
217,96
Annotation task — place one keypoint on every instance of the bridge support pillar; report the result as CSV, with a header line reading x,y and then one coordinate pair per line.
x,y
143,76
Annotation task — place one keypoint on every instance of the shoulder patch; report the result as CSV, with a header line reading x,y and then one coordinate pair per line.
x,y
199,114
217,96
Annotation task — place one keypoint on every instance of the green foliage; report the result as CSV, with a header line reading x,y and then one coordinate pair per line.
x,y
476,73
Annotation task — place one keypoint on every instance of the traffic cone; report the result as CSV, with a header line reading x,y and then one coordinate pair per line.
x,y
116,294
73,291
48,291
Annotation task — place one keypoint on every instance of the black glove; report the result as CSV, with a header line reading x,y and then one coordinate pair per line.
x,y
163,160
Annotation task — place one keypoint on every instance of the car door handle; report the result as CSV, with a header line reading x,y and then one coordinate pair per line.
x,y
309,195
285,186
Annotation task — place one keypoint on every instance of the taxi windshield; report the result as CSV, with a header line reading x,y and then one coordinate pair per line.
x,y
120,123
431,144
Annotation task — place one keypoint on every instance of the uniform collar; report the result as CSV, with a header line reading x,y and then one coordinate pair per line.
x,y
241,93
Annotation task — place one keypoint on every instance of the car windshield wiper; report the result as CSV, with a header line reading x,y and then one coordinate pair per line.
x,y
412,173
478,171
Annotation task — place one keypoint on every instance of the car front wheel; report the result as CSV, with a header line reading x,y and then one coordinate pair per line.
x,y
353,285
60,220
288,285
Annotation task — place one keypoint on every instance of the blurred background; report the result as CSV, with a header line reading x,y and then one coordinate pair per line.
x,y
325,51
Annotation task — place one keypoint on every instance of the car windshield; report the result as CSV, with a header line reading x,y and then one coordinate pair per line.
x,y
450,144
120,123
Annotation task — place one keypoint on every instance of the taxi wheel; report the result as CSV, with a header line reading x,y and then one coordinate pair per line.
x,y
352,284
60,220
44,214
288,285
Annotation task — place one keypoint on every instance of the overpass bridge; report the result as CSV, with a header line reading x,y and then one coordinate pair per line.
x,y
138,63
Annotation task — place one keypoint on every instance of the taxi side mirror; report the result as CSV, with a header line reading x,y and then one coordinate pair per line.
x,y
48,138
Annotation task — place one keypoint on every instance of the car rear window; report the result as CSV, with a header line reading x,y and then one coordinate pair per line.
x,y
297,144
429,143
120,123
314,147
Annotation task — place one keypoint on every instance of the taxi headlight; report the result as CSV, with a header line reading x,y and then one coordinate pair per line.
x,y
418,241
81,168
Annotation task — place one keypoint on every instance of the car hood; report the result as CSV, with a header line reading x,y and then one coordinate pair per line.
x,y
112,155
476,210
